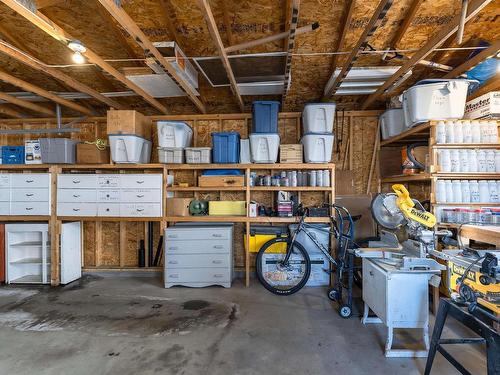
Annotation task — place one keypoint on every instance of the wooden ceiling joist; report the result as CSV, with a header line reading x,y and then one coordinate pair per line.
x,y
131,27
214,32
26,104
26,86
40,4
293,22
169,13
493,84
227,23
410,14
472,62
4,110
370,28
42,22
62,77
475,6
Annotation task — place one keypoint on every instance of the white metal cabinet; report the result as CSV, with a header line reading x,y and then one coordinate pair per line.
x,y
25,194
199,255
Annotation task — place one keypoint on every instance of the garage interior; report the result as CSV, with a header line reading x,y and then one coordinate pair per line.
x,y
249,187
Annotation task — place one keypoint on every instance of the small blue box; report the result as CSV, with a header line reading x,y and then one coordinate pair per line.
x,y
265,116
226,147
12,154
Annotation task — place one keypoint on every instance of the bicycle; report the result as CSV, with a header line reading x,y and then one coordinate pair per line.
x,y
286,272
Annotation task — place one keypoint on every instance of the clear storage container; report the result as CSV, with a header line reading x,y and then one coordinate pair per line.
x,y
317,147
58,150
198,155
265,116
174,134
171,155
318,117
264,147
129,149
226,147
392,123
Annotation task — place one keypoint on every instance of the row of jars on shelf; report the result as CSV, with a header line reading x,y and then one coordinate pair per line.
x,y
475,131
467,191
461,215
319,178
465,161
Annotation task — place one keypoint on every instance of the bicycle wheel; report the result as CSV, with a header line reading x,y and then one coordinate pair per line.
x,y
278,277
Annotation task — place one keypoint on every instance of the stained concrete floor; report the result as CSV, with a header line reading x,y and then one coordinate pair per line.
x,y
134,326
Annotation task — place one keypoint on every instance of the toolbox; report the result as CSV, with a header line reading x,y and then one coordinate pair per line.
x,y
260,234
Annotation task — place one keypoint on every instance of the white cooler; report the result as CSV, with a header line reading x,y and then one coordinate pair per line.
x,y
318,117
435,99
129,149
392,123
317,147
174,134
264,147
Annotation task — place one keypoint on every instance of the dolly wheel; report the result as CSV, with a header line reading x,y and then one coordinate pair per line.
x,y
345,311
333,294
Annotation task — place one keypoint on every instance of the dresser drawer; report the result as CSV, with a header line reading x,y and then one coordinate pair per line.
x,y
4,208
198,233
76,195
198,260
140,210
108,195
79,181
30,195
77,209
108,209
197,247
141,195
4,195
197,275
29,208
29,180
144,181
4,180
108,180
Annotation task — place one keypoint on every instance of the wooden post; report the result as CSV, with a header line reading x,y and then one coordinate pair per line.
x,y
374,157
247,227
55,229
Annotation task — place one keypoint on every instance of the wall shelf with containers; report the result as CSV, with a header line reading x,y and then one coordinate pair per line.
x,y
463,170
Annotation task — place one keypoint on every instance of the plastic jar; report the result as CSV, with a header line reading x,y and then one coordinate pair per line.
x,y
467,130
458,133
476,132
450,133
441,191
449,191
485,131
455,161
492,187
484,192
481,161
474,191
445,160
464,160
457,191
473,166
440,132
465,191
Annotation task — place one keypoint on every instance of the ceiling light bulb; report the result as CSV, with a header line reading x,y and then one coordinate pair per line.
x,y
78,58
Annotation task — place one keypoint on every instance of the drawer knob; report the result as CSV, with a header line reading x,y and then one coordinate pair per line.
x,y
175,276
218,275
76,209
30,181
216,235
173,248
218,247
76,181
76,195
371,273
29,208
140,181
29,194
217,261
140,195
173,262
172,236
140,209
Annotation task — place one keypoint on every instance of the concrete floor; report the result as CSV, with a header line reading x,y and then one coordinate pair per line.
x,y
134,326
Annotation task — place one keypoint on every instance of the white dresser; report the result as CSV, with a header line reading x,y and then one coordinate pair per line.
x,y
112,195
199,255
25,194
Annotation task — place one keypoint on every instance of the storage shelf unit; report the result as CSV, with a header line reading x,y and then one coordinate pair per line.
x,y
427,132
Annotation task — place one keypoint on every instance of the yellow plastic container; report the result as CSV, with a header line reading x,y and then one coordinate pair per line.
x,y
227,208
260,234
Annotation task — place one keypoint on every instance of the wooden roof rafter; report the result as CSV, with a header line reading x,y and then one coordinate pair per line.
x,y
133,29
227,23
475,6
41,21
214,32
370,28
169,13
292,28
26,104
8,111
401,31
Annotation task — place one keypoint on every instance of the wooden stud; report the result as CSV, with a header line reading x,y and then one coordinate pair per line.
x,y
472,62
8,111
439,38
55,228
26,104
214,32
247,228
410,14
376,147
227,23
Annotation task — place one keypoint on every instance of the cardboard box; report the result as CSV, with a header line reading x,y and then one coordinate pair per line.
x,y
128,122
390,161
344,182
32,152
216,181
178,206
291,154
484,106
90,154
359,204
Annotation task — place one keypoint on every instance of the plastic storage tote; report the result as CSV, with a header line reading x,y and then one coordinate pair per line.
x,y
12,154
317,147
260,234
198,155
129,149
265,116
392,123
435,99
264,147
318,117
58,150
171,155
174,134
226,147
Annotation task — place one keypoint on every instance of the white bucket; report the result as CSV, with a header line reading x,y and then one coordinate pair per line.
x,y
317,147
392,123
318,117
264,147
174,134
435,100
129,149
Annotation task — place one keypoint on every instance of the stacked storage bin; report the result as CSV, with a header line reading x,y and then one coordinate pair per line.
x,y
264,139
173,138
317,119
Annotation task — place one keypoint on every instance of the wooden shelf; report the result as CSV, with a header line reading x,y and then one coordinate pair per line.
x,y
467,145
291,188
407,178
108,218
244,219
25,218
467,204
415,134
8,167
249,166
208,218
198,188
295,219
111,166
118,269
468,176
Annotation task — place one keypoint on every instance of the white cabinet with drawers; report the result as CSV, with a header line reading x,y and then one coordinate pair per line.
x,y
25,194
198,255
113,195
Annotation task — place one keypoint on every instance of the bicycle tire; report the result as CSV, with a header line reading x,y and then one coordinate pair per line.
x,y
269,287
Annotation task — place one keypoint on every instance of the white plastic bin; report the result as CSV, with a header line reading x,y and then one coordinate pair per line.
x,y
318,117
129,149
392,123
435,99
174,134
171,155
264,147
317,147
198,155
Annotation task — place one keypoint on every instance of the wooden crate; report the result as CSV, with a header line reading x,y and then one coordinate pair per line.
x,y
221,181
291,154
